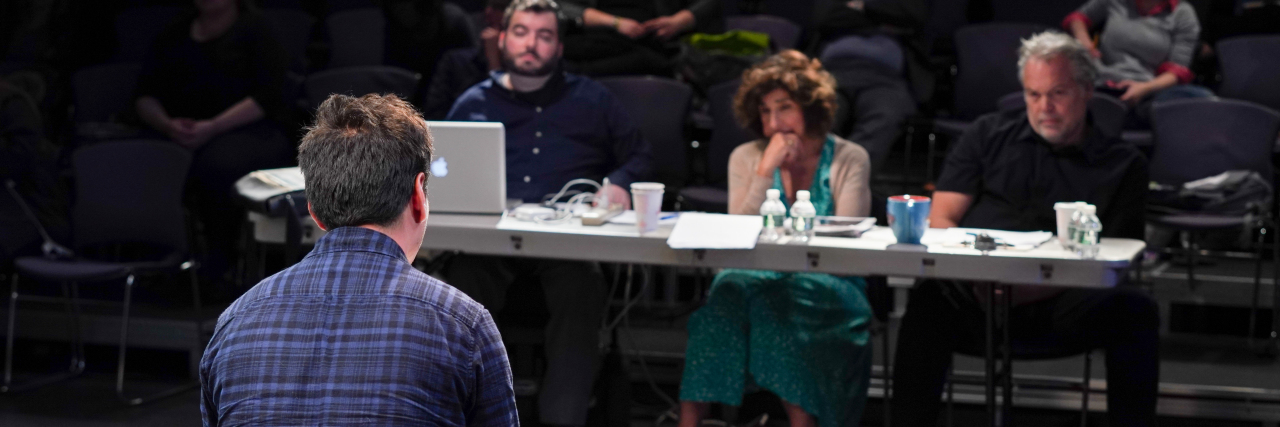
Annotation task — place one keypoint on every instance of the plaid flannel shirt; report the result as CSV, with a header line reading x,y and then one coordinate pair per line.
x,y
353,334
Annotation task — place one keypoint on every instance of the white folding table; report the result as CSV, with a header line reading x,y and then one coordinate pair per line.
x,y
871,254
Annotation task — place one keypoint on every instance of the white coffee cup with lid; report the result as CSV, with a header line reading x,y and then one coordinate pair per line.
x,y
1064,210
646,199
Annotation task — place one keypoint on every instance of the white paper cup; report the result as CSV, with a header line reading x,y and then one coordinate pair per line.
x,y
1064,211
646,199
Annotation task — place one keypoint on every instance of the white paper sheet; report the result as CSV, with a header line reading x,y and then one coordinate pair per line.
x,y
715,231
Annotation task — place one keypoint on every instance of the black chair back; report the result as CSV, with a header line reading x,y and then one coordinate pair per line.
x,y
283,4
130,192
137,29
293,32
1044,12
357,37
1108,113
783,33
1249,69
335,6
658,106
987,65
801,12
469,5
102,93
726,134
358,81
1197,138
945,17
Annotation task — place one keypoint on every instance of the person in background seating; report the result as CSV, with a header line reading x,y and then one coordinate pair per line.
x,y
213,83
1005,173
801,336
559,127
1145,48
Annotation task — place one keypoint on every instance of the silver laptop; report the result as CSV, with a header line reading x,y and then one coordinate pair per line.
x,y
469,169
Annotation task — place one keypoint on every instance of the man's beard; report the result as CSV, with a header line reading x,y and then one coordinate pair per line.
x,y
509,64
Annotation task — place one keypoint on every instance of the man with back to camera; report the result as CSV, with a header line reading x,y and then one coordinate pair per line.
x,y
1006,173
559,127
353,334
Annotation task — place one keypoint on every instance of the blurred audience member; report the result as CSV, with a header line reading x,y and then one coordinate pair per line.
x,y
1145,47
27,29
353,334
874,51
633,36
461,68
28,161
1005,173
559,127
801,336
213,83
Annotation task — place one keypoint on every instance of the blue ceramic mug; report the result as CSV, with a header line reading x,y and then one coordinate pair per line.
x,y
908,217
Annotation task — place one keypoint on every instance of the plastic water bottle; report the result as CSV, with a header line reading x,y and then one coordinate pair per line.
x,y
1072,226
802,218
774,214
1087,228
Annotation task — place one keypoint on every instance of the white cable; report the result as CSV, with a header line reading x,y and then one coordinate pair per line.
x,y
644,367
565,212
626,307
624,317
571,183
613,287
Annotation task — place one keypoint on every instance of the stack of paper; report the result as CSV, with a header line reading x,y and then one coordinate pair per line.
x,y
285,179
715,231
1020,240
259,186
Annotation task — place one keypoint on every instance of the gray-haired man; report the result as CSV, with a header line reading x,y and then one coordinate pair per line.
x,y
1006,173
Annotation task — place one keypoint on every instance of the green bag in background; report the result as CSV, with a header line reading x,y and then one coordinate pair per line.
x,y
708,59
736,43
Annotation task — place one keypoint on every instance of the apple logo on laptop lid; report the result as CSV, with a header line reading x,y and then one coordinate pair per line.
x,y
439,167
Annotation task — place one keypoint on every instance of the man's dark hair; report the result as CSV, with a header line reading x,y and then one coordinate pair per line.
x,y
536,6
361,157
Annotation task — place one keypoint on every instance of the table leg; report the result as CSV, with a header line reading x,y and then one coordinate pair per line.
x,y
1273,348
1006,353
991,356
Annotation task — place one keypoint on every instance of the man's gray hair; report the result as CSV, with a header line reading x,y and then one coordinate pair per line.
x,y
1050,44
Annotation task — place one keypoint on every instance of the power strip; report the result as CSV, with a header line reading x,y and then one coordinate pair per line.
x,y
599,216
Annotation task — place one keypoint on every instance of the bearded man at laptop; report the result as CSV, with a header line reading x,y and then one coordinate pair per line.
x,y
560,127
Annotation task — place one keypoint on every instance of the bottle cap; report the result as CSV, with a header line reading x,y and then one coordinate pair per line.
x,y
772,193
802,195
1089,209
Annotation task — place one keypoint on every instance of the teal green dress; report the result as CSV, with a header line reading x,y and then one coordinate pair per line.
x,y
802,336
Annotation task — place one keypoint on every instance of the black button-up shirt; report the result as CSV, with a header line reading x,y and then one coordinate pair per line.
x,y
571,128
1015,177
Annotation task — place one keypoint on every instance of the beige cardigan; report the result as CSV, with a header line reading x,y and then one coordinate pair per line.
x,y
850,180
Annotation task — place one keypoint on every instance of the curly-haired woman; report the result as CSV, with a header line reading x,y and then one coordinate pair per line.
x,y
801,336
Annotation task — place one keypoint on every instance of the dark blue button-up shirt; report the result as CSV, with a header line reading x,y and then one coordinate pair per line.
x,y
571,128
353,335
